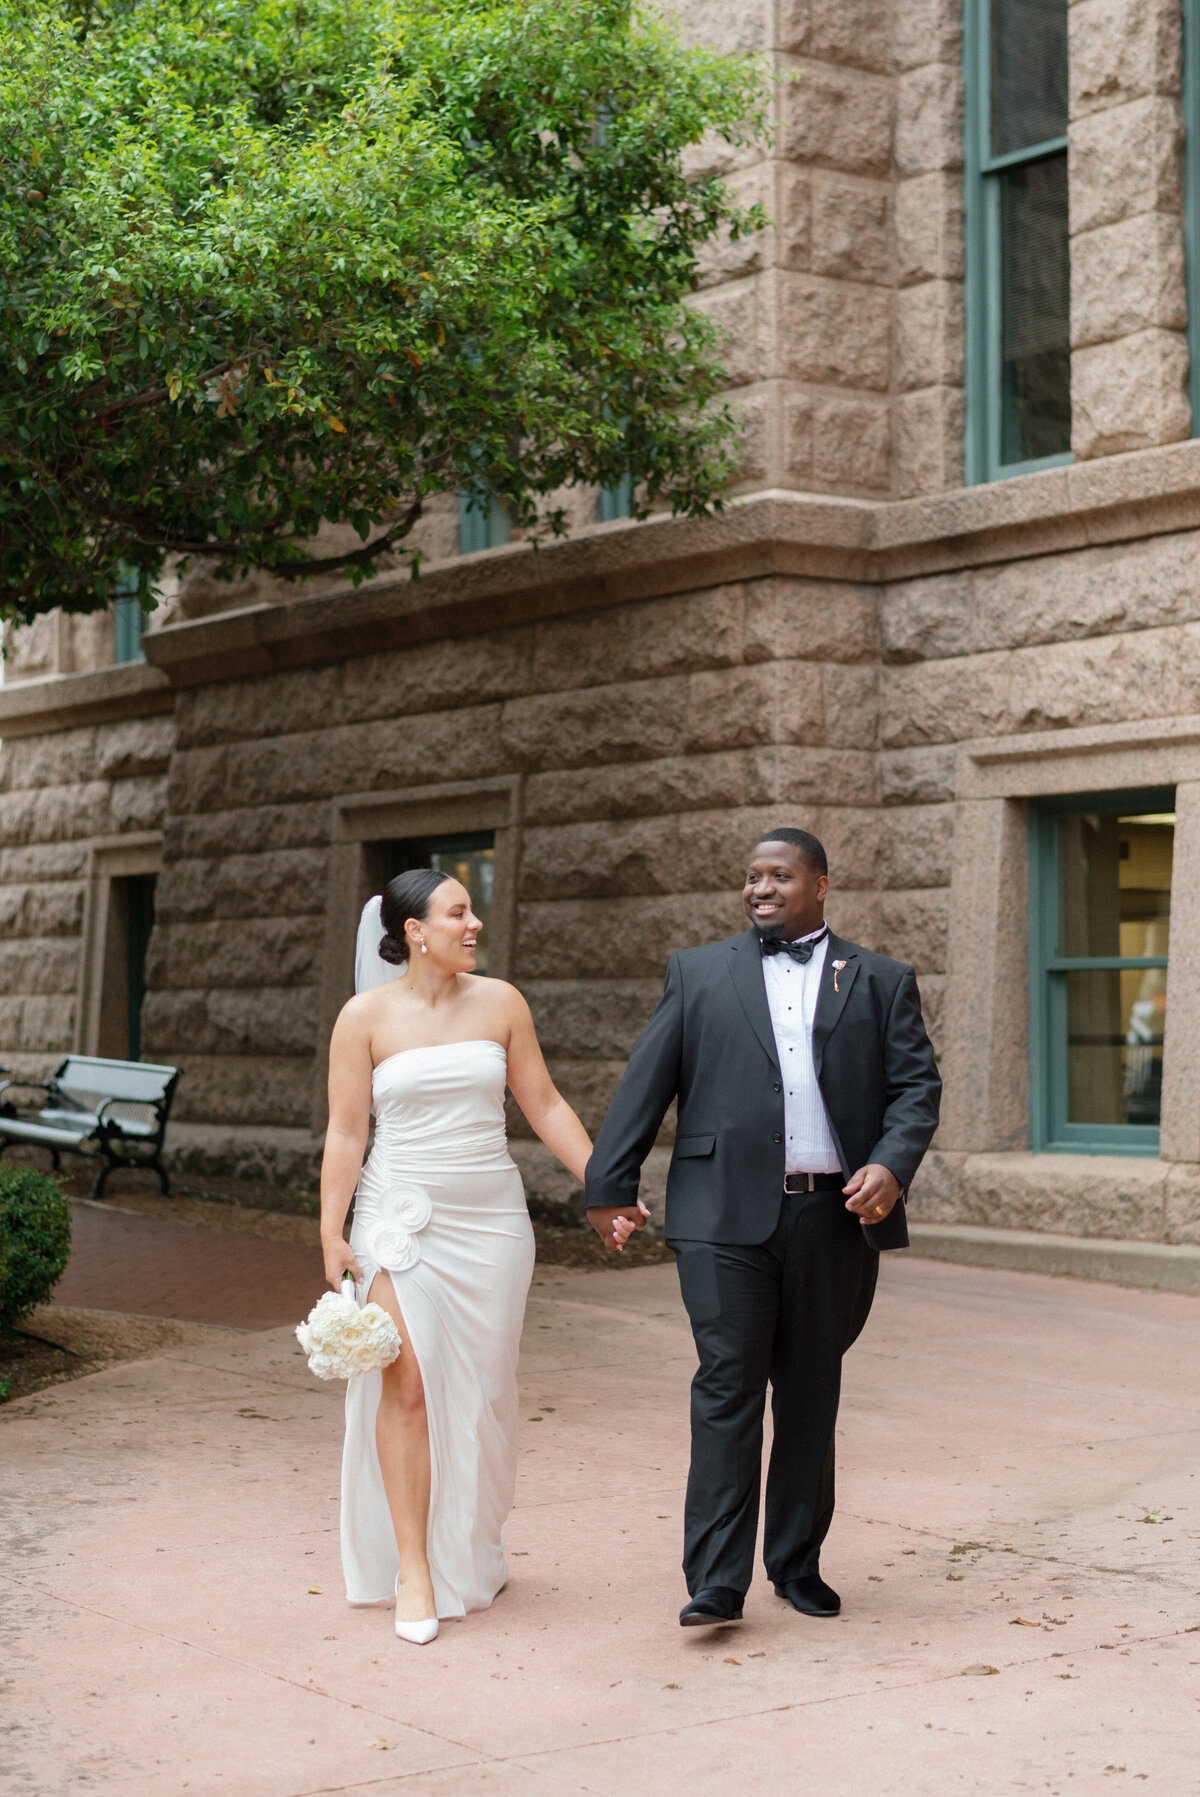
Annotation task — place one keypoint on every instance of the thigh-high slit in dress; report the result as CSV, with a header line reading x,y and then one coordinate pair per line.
x,y
440,1207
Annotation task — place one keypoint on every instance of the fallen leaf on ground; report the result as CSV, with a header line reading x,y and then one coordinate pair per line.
x,y
1021,1622
731,1662
979,1671
381,1744
314,1591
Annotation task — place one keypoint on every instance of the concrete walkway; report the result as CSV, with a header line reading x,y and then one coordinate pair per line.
x,y
1020,1490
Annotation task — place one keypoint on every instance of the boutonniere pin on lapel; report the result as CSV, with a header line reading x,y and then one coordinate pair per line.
x,y
838,967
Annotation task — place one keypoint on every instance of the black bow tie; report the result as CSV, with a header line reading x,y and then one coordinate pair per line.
x,y
799,951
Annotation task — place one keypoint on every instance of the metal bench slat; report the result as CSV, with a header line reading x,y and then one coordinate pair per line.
x,y
141,1082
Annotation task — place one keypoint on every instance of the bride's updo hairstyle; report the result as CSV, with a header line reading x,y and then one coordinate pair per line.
x,y
406,896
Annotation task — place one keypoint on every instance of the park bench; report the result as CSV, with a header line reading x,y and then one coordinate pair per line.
x,y
112,1111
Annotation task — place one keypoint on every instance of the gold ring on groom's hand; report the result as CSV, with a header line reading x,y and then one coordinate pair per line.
x,y
879,1210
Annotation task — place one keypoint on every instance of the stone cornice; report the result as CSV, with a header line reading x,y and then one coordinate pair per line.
x,y
65,701
1112,500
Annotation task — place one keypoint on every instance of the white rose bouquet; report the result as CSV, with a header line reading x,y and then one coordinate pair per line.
x,y
341,1340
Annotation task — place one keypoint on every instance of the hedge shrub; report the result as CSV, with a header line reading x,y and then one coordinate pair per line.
x,y
35,1241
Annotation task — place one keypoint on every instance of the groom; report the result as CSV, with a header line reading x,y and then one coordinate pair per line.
x,y
807,1095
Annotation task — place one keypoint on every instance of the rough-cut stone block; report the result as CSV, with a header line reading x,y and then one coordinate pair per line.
x,y
945,701
851,236
1108,1196
1127,277
853,916
743,343
848,836
609,859
40,910
1131,394
929,617
801,776
51,760
185,890
1125,160
810,620
463,670
915,846
133,746
926,31
934,1195
740,29
638,789
730,258
620,939
55,813
929,128
837,117
915,776
267,1021
913,928
638,642
929,335
1181,1221
928,211
39,964
138,804
269,705
245,832
798,434
930,429
755,411
836,31
851,707
834,332
280,883
259,952
32,649
582,1018
1118,49
642,719
770,702
792,215
1105,680
43,861
852,444
588,1087
240,1089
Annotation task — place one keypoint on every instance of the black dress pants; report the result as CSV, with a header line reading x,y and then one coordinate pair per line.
x,y
783,1310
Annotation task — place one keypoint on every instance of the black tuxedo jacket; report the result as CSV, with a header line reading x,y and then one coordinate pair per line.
x,y
711,1045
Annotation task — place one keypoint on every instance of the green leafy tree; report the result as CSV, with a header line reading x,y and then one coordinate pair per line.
x,y
271,265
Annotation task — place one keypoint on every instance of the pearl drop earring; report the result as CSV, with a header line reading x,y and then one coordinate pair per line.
x,y
424,950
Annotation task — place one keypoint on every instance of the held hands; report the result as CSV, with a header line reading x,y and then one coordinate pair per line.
x,y
339,1258
615,1224
872,1192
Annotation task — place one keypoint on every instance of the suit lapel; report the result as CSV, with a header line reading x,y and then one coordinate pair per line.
x,y
745,970
835,989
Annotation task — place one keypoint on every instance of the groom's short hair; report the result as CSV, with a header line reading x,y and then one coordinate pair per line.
x,y
808,845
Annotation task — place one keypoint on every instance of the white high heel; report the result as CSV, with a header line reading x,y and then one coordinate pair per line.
x,y
419,1633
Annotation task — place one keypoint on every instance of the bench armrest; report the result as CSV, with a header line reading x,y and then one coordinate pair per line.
x,y
104,1107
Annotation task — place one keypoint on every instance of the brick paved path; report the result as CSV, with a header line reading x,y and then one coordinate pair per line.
x,y
153,1267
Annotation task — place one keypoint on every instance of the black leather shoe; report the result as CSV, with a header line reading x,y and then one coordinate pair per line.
x,y
715,1604
811,1596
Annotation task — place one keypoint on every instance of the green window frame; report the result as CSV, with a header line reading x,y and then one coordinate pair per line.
x,y
1049,971
483,521
616,502
1191,195
990,406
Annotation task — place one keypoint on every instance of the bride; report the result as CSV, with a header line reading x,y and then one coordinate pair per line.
x,y
441,1239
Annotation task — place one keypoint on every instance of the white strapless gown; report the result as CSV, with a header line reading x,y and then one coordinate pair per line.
x,y
441,1206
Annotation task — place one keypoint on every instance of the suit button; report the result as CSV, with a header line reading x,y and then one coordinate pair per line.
x,y
777,1088
777,1138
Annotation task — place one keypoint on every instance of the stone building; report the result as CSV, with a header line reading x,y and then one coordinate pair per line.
x,y
951,623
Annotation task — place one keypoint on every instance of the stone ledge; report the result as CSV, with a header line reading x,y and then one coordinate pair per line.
x,y
774,532
66,701
1157,1265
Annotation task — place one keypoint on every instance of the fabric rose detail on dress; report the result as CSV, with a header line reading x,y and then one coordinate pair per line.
x,y
393,1241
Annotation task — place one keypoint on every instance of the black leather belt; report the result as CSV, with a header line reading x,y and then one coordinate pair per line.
x,y
812,1182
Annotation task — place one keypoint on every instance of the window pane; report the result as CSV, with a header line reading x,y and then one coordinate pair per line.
x,y
1035,300
1114,884
470,859
1115,1027
1029,73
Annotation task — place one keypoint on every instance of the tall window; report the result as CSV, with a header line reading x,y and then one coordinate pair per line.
x,y
1100,926
128,618
123,983
616,502
483,522
469,858
1018,264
